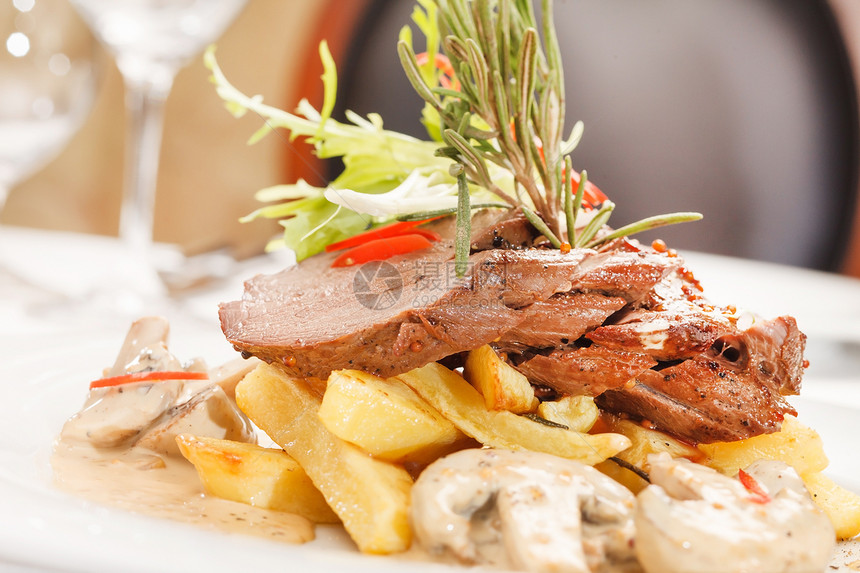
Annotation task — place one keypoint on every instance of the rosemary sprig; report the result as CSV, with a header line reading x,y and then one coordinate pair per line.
x,y
628,466
510,112
497,112
541,420
464,222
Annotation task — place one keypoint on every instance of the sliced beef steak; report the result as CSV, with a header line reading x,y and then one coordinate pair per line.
x,y
560,320
708,397
312,319
625,324
663,335
585,371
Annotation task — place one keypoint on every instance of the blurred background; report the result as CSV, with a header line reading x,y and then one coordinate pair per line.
x,y
744,110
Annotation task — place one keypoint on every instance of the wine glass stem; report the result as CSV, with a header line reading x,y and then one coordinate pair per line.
x,y
145,117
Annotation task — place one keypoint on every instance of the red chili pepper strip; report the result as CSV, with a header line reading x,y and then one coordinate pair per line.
x,y
381,249
591,195
757,494
392,230
429,235
154,376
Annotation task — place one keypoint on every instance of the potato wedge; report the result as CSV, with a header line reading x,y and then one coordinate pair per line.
x,y
579,413
258,476
795,444
644,441
840,505
502,386
458,401
370,496
386,418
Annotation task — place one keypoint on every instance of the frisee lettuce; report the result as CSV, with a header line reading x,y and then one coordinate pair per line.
x,y
375,160
386,174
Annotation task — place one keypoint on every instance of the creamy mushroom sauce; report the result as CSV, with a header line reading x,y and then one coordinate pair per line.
x,y
140,481
120,448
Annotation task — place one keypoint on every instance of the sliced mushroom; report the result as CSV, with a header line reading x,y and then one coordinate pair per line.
x,y
115,416
208,413
526,510
694,519
145,348
151,414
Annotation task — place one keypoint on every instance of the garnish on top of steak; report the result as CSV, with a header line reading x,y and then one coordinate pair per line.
x,y
486,235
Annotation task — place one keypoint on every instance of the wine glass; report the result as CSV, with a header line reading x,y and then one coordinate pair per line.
x,y
48,80
151,41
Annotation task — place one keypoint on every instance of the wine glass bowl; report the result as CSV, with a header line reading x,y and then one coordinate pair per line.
x,y
155,38
48,82
150,40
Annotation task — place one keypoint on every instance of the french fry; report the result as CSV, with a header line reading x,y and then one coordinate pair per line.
x,y
579,413
644,441
502,386
370,496
458,401
251,474
840,505
386,418
795,444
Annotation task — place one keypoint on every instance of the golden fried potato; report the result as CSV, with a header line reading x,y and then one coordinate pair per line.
x,y
458,401
386,418
579,413
644,441
795,444
370,496
251,474
503,387
840,505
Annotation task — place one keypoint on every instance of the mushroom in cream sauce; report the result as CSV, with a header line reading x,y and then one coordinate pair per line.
x,y
120,448
150,413
694,519
524,510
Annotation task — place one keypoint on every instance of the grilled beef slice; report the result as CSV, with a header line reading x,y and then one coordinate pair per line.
x,y
625,324
314,322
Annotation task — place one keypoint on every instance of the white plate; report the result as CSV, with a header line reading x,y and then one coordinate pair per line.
x,y
44,528
45,368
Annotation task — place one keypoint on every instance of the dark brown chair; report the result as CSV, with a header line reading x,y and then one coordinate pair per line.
x,y
744,111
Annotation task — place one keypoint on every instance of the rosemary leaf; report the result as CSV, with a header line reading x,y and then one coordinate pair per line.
x,y
628,466
595,224
480,72
525,83
449,93
463,240
556,70
569,213
413,74
580,191
572,141
541,420
646,225
464,123
469,155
